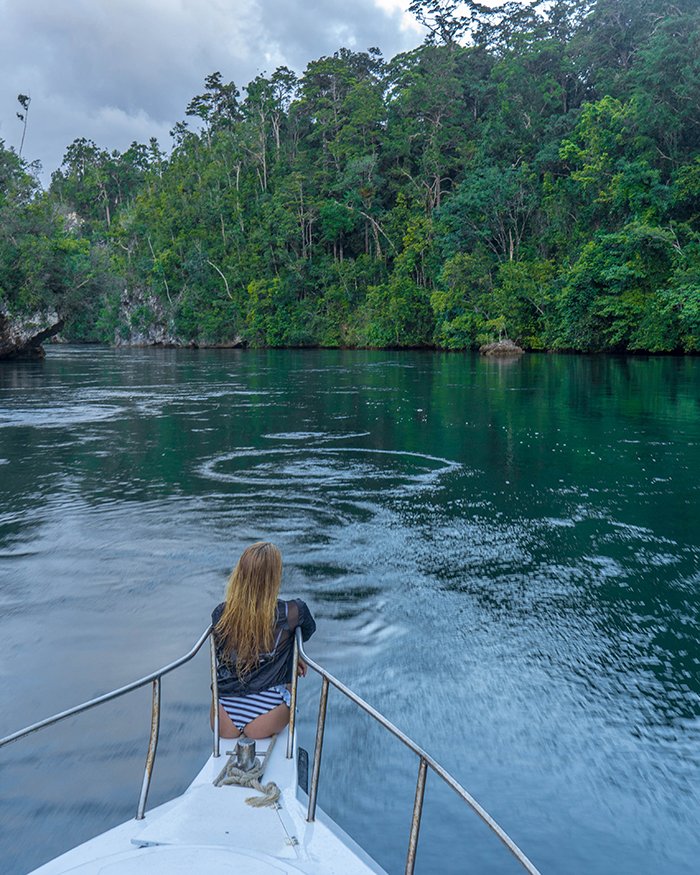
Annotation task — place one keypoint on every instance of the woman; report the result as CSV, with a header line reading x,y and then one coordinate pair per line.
x,y
254,638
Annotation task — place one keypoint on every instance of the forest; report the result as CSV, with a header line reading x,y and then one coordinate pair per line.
x,y
530,172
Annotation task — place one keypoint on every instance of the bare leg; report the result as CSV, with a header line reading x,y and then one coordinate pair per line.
x,y
227,728
268,724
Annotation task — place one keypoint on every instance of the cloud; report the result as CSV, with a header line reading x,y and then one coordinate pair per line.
x,y
122,70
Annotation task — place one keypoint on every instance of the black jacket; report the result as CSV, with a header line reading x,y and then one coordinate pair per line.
x,y
273,668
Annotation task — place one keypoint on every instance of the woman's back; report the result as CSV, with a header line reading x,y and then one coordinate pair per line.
x,y
273,667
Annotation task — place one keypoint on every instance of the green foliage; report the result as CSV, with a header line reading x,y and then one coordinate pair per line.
x,y
491,209
480,301
461,304
398,314
611,297
44,265
276,317
524,300
264,323
679,311
539,180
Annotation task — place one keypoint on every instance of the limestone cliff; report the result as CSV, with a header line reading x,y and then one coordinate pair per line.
x,y
21,336
143,320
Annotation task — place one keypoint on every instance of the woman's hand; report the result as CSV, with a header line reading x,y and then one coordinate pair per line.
x,y
301,668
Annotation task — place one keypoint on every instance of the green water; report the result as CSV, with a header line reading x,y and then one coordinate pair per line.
x,y
502,556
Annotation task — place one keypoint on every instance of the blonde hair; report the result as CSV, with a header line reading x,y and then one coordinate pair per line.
x,y
246,625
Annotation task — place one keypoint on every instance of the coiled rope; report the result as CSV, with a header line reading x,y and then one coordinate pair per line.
x,y
231,774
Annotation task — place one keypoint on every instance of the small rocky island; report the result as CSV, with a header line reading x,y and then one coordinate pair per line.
x,y
501,348
21,336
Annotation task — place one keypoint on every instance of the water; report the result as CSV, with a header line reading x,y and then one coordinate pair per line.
x,y
502,556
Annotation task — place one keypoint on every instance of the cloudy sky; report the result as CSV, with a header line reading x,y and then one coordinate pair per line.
x,y
115,71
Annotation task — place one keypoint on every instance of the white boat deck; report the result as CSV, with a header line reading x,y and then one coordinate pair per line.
x,y
209,827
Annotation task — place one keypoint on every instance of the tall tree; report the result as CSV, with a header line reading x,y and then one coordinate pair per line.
x,y
24,101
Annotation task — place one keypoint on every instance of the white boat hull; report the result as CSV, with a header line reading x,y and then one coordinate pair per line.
x,y
211,828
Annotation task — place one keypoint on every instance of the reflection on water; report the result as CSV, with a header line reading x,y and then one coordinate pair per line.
x,y
502,557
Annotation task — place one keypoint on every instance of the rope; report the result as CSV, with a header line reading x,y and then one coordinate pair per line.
x,y
231,774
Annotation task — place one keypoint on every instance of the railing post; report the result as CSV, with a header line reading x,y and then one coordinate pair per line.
x,y
214,698
152,746
320,727
293,702
415,820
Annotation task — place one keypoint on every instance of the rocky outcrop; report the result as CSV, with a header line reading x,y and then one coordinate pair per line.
x,y
21,336
501,348
144,321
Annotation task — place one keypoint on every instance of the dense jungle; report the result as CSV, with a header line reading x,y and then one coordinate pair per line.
x,y
530,172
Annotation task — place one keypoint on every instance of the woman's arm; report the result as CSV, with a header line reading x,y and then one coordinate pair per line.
x,y
306,623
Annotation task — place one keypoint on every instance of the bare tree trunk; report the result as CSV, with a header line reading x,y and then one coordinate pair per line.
x,y
263,157
24,101
105,198
375,233
165,281
228,290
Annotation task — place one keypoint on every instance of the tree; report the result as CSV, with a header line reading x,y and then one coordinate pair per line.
x,y
24,101
611,297
425,122
441,19
491,207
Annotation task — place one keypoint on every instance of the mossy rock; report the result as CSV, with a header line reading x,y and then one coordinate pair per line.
x,y
501,348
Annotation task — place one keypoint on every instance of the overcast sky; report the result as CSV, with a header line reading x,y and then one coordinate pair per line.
x,y
116,71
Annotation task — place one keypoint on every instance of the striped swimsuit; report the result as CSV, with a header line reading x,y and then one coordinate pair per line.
x,y
243,709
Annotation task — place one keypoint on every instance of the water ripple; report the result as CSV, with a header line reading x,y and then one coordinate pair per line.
x,y
325,467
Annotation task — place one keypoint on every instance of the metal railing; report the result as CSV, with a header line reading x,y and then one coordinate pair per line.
x,y
154,678
425,761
